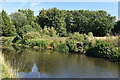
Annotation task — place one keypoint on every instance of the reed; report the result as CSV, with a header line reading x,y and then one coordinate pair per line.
x,y
5,70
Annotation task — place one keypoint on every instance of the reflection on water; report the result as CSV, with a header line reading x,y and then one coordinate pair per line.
x,y
31,63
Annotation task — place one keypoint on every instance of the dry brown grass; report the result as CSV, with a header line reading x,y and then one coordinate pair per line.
x,y
113,39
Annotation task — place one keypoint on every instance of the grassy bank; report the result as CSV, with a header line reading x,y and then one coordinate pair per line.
x,y
5,70
103,47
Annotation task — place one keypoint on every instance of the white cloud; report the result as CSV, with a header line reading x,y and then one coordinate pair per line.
x,y
35,6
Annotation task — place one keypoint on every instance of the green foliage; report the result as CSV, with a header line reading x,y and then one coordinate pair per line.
x,y
32,35
100,23
8,29
52,18
78,43
62,32
116,29
90,34
36,26
49,32
103,49
29,14
37,42
7,40
85,21
19,20
72,45
78,37
26,29
61,47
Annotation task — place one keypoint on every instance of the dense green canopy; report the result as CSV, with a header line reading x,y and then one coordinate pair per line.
x,y
8,29
65,22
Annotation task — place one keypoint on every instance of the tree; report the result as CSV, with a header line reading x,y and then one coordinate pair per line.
x,y
52,18
31,19
29,14
69,21
8,29
42,18
102,24
19,20
116,29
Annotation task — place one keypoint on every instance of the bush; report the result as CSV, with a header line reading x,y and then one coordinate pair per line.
x,y
78,43
27,28
50,32
103,49
37,42
90,34
77,37
61,47
72,46
32,35
7,40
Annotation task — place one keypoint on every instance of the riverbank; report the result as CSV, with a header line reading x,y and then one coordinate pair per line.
x,y
102,47
5,70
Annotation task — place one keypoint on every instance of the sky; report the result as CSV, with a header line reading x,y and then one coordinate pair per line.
x,y
110,7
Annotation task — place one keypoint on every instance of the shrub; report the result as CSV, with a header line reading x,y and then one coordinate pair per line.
x,y
90,34
37,42
72,45
27,28
51,32
61,47
32,35
77,37
103,49
78,43
7,40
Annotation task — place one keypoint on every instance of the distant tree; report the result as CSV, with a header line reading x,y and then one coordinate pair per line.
x,y
99,23
116,29
42,18
8,29
102,24
52,18
69,21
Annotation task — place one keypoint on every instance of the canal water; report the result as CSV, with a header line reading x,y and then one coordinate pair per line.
x,y
37,63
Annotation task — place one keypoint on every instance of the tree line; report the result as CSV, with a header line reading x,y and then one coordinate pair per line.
x,y
60,22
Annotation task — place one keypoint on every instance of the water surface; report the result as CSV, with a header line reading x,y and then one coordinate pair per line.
x,y
36,63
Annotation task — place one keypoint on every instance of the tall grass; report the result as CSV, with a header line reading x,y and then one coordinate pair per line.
x,y
113,39
5,70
